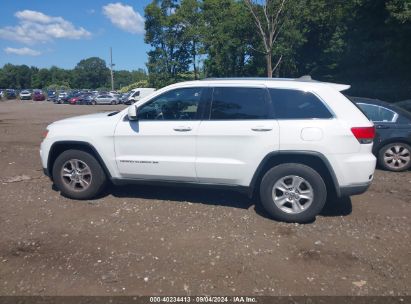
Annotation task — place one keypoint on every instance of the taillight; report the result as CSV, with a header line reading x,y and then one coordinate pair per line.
x,y
364,135
45,133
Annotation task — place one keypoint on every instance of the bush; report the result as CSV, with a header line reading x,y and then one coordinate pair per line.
x,y
138,84
59,87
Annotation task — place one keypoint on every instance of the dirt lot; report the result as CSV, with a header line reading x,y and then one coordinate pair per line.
x,y
144,240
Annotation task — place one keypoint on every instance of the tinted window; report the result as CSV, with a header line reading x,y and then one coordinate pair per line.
x,y
239,103
294,104
377,113
179,104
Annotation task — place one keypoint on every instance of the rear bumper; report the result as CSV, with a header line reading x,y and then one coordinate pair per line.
x,y
354,189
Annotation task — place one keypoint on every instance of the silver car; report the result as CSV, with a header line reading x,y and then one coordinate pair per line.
x,y
105,99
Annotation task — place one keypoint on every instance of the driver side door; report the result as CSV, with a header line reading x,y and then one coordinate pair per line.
x,y
161,144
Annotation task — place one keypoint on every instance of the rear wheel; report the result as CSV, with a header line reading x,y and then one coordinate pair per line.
x,y
78,175
395,157
293,193
113,102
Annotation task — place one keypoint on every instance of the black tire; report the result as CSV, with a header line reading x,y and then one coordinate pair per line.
x,y
93,102
311,176
391,165
97,181
113,102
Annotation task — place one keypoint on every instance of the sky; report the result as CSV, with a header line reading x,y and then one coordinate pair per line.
x,y
44,33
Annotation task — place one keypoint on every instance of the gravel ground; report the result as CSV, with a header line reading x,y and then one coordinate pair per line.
x,y
146,240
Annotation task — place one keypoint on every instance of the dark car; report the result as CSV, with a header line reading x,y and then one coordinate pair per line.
x,y
51,96
87,100
123,98
65,99
38,95
392,144
81,99
405,104
9,94
73,99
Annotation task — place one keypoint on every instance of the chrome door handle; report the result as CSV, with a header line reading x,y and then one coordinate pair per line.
x,y
182,129
261,129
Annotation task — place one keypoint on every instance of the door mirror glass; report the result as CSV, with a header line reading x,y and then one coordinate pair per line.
x,y
132,112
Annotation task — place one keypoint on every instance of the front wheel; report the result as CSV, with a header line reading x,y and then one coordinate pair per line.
x,y
395,157
78,175
293,193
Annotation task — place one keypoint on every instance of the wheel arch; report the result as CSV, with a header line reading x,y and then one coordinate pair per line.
x,y
314,160
391,140
60,146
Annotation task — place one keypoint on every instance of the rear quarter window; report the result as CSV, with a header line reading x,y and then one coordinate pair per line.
x,y
295,104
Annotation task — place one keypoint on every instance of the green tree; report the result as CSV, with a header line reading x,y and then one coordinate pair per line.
x,y
124,78
228,38
41,79
170,55
190,20
91,73
277,24
400,10
15,76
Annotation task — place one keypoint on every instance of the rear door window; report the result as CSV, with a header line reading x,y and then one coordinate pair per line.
x,y
239,103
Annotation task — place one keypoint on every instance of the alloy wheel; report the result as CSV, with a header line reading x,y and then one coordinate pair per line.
x,y
397,157
292,194
76,175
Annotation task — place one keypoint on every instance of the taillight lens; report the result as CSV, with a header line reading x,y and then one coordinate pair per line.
x,y
45,133
364,135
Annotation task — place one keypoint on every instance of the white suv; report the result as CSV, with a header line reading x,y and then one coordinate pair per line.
x,y
292,141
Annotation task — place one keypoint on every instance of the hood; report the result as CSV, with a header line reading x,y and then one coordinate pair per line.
x,y
83,118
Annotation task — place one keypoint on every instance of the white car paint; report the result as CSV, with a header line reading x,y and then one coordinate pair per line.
x,y
140,93
25,95
221,152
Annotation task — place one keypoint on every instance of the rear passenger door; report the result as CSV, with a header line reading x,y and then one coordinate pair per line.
x,y
306,123
235,135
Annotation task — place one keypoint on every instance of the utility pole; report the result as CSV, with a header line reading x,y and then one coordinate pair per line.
x,y
111,69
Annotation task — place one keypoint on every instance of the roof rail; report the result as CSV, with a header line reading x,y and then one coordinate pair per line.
x,y
247,78
304,78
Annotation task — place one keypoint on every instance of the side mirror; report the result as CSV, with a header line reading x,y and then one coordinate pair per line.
x,y
132,112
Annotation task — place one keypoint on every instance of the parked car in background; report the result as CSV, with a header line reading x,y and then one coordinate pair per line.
x,y
405,104
392,144
61,97
115,95
81,98
51,95
72,99
38,95
104,99
69,96
9,94
137,94
123,98
25,95
86,100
